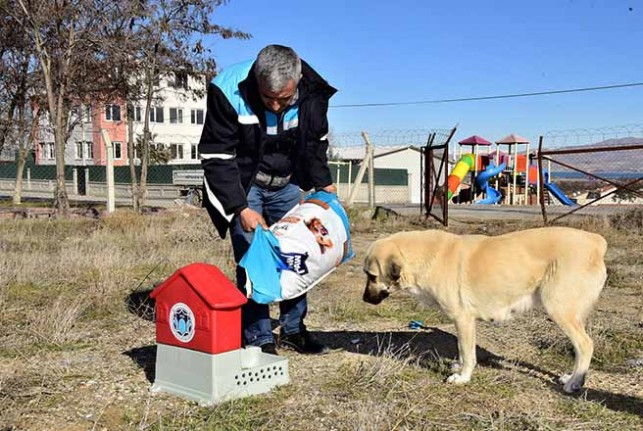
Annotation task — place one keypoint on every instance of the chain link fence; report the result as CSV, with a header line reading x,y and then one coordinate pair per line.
x,y
175,174
585,170
582,170
398,165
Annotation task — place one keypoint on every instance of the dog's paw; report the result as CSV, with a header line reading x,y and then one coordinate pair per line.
x,y
458,379
455,366
572,386
572,383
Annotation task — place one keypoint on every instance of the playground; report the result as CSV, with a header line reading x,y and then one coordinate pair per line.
x,y
507,174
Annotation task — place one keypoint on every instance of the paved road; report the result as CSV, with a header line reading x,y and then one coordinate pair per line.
x,y
456,212
518,212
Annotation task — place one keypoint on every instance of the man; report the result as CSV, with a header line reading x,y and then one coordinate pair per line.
x,y
264,139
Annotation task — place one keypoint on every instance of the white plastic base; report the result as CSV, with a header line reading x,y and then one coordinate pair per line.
x,y
209,379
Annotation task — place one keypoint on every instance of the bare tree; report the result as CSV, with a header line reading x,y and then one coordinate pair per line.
x,y
18,91
167,41
66,40
92,51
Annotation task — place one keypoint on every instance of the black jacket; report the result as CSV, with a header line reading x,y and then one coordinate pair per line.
x,y
234,139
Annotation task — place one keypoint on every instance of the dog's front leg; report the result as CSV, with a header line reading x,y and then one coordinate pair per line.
x,y
466,328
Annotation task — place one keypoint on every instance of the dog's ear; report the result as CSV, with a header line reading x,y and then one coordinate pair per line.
x,y
394,270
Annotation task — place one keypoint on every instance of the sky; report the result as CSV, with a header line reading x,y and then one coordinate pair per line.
x,y
427,50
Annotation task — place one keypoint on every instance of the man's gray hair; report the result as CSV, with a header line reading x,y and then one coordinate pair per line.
x,y
276,65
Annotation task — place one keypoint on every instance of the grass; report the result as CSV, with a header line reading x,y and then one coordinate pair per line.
x,y
70,324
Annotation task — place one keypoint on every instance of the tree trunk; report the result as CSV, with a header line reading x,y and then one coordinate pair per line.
x,y
23,151
130,155
61,198
145,150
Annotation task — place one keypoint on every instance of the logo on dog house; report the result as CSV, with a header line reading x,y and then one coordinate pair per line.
x,y
199,308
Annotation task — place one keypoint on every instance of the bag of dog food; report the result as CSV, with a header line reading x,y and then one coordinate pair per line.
x,y
298,251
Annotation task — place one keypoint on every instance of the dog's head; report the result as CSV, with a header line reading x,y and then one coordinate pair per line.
x,y
383,268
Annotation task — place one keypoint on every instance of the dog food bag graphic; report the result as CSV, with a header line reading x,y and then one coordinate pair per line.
x,y
298,251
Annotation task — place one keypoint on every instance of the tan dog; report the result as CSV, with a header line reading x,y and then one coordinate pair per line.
x,y
474,277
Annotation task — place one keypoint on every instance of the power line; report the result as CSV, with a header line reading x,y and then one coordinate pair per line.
x,y
503,96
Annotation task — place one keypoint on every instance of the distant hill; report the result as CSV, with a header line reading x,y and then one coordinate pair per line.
x,y
613,161
614,142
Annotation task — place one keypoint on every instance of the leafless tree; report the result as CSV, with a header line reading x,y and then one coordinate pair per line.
x,y
18,93
65,39
167,40
93,51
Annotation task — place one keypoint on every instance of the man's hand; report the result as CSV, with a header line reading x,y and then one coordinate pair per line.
x,y
330,189
250,219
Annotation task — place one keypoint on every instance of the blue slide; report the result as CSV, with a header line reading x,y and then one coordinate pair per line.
x,y
558,194
482,182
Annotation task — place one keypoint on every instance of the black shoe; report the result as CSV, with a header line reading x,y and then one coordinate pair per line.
x,y
303,342
269,348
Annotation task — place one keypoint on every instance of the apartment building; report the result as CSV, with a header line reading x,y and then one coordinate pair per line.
x,y
175,124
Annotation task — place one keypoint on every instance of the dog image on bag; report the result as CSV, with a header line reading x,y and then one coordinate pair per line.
x,y
321,234
491,278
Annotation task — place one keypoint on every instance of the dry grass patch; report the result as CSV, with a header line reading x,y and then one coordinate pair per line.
x,y
73,314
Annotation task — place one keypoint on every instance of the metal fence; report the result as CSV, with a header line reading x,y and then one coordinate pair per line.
x,y
584,170
436,171
175,175
578,171
397,150
588,171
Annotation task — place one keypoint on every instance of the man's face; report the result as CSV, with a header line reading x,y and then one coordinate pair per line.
x,y
277,101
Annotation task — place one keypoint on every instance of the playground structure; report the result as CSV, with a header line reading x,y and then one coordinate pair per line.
x,y
508,175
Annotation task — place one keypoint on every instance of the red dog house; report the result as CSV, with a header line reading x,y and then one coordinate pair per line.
x,y
199,308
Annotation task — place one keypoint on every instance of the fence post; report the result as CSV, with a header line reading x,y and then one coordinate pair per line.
x,y
74,173
86,173
360,174
371,170
109,148
541,181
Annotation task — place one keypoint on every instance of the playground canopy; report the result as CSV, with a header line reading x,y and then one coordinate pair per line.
x,y
474,140
513,139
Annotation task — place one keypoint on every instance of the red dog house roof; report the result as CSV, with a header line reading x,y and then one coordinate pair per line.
x,y
199,308
201,277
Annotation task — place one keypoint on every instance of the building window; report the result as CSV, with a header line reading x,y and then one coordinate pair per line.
x,y
196,116
176,116
138,115
84,150
176,151
180,80
112,112
118,150
158,147
87,113
80,150
156,114
47,151
194,151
